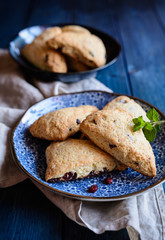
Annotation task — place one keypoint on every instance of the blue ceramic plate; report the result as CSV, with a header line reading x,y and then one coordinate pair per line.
x,y
27,35
29,153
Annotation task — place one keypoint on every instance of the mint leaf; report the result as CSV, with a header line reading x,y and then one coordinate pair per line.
x,y
150,129
148,126
150,135
153,115
157,127
139,123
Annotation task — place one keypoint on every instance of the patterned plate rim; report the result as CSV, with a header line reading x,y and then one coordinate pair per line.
x,y
74,196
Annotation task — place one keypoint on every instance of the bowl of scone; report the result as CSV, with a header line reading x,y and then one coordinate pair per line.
x,y
67,53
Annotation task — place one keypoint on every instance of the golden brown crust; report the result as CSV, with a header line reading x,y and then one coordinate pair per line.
x,y
127,104
42,56
86,48
60,124
130,106
75,28
48,33
76,156
112,131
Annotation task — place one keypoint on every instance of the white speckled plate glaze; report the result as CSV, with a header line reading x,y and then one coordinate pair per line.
x,y
29,153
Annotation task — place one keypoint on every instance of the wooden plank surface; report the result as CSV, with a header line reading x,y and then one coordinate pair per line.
x,y
144,48
52,12
13,17
97,15
25,213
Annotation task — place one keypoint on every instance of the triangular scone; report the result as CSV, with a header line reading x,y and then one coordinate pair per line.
x,y
127,104
75,159
130,106
42,56
86,48
112,131
60,124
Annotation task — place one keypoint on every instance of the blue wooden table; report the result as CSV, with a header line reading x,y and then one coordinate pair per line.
x,y
139,26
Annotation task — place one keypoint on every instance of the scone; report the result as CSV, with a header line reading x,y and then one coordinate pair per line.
x,y
42,56
86,48
130,106
75,28
60,124
127,104
75,159
48,33
112,131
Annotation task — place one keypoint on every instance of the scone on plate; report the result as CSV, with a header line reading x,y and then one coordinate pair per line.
x,y
127,104
42,56
75,159
86,48
112,131
60,124
130,106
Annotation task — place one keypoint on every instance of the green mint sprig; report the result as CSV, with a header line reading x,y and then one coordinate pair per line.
x,y
151,128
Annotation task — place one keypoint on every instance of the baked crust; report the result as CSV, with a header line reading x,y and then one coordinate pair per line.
x,y
60,124
48,33
112,131
75,28
75,158
130,106
127,104
42,56
86,48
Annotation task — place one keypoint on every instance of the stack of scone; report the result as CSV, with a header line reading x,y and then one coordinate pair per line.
x,y
111,143
69,48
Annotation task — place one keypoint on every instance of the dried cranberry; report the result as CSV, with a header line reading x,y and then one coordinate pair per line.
x,y
74,176
105,170
136,163
94,121
46,58
123,101
92,173
93,188
112,145
54,180
68,176
108,180
78,121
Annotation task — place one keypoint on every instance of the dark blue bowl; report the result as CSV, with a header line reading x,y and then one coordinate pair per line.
x,y
27,35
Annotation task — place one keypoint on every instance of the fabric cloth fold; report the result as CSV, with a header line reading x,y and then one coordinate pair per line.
x,y
143,215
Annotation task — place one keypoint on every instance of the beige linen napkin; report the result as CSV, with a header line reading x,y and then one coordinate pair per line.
x,y
143,216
